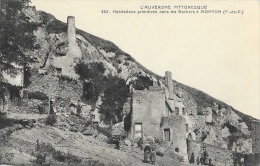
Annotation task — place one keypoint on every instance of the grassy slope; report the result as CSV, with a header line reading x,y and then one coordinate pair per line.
x,y
202,99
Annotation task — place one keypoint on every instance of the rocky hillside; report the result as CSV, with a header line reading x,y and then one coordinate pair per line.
x,y
229,123
228,128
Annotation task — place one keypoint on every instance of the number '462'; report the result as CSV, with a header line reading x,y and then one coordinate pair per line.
x,y
104,11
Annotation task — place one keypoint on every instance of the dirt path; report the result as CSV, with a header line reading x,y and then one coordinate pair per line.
x,y
25,116
23,142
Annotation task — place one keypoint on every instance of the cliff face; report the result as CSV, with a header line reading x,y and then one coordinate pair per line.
x,y
211,121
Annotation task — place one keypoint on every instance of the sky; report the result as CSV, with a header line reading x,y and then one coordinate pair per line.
x,y
215,53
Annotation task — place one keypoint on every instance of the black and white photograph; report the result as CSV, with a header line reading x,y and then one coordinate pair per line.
x,y
129,83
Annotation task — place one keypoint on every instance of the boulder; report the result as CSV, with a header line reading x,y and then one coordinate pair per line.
x,y
127,142
160,151
88,132
118,129
73,129
28,127
179,94
18,126
149,140
102,137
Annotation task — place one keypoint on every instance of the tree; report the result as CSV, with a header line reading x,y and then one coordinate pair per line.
x,y
16,36
94,81
113,100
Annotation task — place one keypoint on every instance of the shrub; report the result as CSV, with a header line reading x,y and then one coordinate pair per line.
x,y
126,63
51,119
94,73
59,156
119,70
72,158
105,130
40,158
157,140
142,83
66,78
43,149
4,121
37,95
113,100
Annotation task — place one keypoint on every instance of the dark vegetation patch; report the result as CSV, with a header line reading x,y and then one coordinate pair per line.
x,y
5,122
46,149
27,76
142,83
200,111
232,129
128,122
51,120
91,74
14,91
113,89
113,100
66,78
105,131
234,137
36,95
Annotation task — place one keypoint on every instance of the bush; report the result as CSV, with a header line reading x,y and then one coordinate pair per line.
x,y
113,100
142,83
4,121
72,158
40,158
37,95
51,119
66,78
105,130
43,149
94,73
59,156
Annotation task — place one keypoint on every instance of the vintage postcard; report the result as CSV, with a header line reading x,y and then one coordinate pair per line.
x,y
132,82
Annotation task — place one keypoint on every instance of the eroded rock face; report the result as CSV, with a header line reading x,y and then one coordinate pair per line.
x,y
225,132
212,124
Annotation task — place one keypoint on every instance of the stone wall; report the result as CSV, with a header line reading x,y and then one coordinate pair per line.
x,y
189,126
256,137
63,91
177,127
219,156
187,99
148,108
199,126
252,159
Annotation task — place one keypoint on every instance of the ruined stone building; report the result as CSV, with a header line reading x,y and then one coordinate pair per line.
x,y
157,112
67,52
256,136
